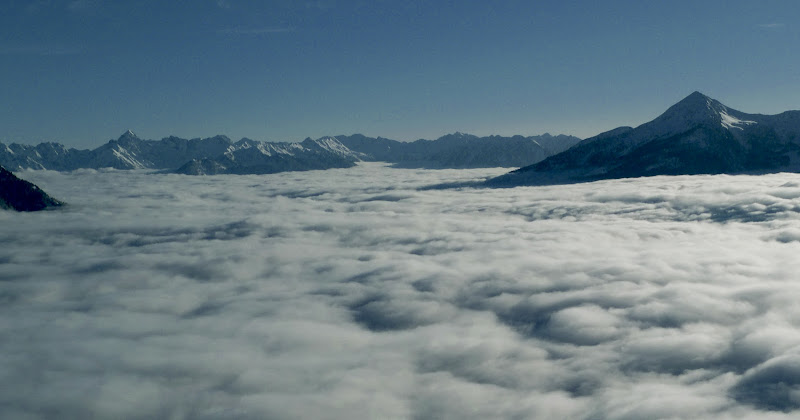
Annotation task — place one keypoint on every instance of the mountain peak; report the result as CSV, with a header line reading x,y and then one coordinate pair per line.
x,y
690,111
128,135
696,95
698,135
695,102
697,108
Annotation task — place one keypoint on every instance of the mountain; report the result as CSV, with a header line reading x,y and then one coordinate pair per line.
x,y
126,152
53,156
131,152
698,135
21,195
217,155
196,156
460,150
252,157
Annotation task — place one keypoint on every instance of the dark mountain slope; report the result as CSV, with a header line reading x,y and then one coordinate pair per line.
x,y
21,195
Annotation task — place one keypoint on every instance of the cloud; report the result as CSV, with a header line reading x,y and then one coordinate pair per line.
x,y
356,293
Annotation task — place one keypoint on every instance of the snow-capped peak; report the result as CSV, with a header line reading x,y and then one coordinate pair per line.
x,y
332,145
698,109
128,134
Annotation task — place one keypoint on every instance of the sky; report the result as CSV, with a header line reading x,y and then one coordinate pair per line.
x,y
81,72
354,294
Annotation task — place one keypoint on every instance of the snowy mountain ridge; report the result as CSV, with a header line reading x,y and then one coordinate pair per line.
x,y
698,135
221,155
130,152
253,157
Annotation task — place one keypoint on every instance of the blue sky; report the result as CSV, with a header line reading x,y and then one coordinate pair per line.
x,y
83,71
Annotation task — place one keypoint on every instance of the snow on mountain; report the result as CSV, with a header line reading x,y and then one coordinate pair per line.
x,y
196,156
42,156
131,152
252,157
20,195
729,121
332,145
126,152
698,135
220,155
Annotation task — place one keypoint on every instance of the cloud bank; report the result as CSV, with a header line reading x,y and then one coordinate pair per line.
x,y
354,293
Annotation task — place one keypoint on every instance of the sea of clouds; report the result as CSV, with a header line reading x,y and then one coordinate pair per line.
x,y
357,293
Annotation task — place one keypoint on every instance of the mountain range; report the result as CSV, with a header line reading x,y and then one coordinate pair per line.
x,y
254,157
698,135
21,195
220,155
126,152
459,150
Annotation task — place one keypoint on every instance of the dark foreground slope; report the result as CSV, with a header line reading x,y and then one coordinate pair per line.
x,y
698,135
21,195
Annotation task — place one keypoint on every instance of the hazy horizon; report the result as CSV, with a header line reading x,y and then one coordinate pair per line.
x,y
374,136
284,141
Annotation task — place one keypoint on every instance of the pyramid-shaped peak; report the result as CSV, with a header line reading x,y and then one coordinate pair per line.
x,y
696,106
697,101
128,135
696,95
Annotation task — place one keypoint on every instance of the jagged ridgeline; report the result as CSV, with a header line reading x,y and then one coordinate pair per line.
x,y
21,195
698,135
220,155
461,150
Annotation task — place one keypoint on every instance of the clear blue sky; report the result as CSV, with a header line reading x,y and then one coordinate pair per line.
x,y
83,71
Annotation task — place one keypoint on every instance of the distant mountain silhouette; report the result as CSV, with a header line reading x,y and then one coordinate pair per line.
x,y
698,135
20,195
220,155
459,150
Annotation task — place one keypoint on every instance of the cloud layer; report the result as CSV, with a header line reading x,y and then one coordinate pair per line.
x,y
353,293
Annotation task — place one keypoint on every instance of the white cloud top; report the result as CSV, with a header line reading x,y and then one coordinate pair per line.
x,y
350,293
